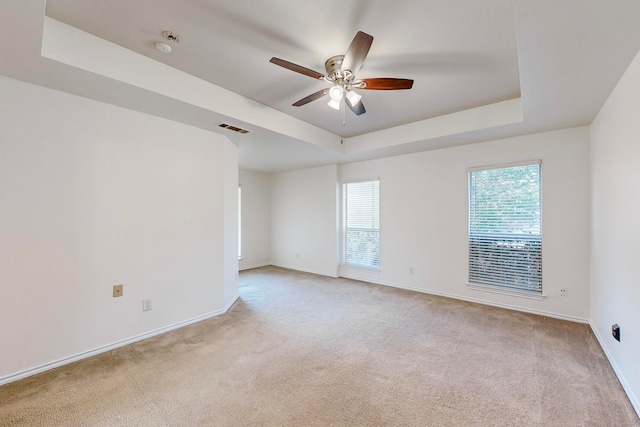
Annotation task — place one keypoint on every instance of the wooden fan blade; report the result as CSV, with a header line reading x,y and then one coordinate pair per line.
x,y
312,97
297,68
357,52
358,109
385,83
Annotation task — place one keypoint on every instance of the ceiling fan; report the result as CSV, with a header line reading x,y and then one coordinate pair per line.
x,y
341,73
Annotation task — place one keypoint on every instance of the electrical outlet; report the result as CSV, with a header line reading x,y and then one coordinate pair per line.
x,y
146,304
117,290
615,331
410,270
563,292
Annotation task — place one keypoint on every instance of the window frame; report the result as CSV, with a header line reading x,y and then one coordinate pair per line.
x,y
343,255
497,288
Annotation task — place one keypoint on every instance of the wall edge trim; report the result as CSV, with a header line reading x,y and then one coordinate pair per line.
x,y
468,299
249,267
623,382
103,349
306,270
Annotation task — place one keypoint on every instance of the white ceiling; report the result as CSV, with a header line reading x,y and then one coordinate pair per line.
x,y
561,58
460,54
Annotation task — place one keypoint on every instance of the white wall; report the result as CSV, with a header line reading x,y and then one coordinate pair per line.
x,y
615,254
256,219
423,219
230,224
304,228
93,195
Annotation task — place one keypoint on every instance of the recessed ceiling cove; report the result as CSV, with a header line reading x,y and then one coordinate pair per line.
x,y
459,54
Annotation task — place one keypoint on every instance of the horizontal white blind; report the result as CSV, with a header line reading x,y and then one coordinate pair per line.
x,y
505,224
362,223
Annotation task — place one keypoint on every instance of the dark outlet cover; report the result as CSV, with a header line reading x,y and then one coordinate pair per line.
x,y
615,331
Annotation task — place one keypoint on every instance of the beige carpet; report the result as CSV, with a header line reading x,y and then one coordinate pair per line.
x,y
299,349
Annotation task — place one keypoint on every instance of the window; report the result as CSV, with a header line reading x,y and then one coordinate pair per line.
x,y
239,222
505,224
362,223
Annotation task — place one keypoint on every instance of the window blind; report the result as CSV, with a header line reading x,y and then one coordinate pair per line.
x,y
362,223
505,225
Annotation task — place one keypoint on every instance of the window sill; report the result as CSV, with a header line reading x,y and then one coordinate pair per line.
x,y
510,292
363,268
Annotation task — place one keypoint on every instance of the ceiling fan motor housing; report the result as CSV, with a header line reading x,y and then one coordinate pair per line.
x,y
333,66
335,73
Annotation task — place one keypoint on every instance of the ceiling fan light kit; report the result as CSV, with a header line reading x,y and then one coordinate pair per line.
x,y
335,93
353,98
341,73
335,104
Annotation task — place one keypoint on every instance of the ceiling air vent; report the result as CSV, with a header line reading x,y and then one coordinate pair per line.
x,y
233,128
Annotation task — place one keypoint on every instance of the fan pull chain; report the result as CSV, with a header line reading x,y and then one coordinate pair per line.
x,y
342,112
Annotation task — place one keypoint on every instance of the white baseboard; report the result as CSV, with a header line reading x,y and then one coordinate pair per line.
x,y
249,267
306,270
625,385
227,307
474,300
79,356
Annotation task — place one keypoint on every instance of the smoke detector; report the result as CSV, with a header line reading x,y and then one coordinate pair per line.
x,y
163,47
